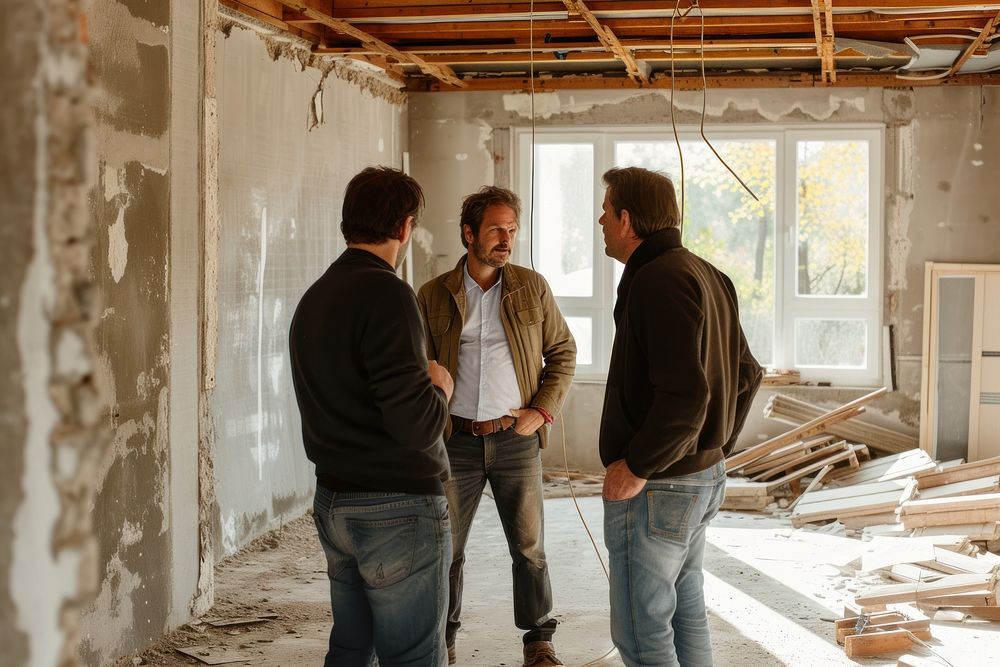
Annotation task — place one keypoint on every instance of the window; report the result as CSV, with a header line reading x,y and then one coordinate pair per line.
x,y
805,256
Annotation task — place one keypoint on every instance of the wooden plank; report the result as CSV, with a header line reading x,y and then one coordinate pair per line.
x,y
972,598
925,519
786,408
915,625
952,504
948,585
969,487
786,453
910,573
862,521
955,563
979,532
990,613
608,38
746,503
873,503
857,646
742,487
853,491
801,461
961,473
846,455
813,484
902,468
813,427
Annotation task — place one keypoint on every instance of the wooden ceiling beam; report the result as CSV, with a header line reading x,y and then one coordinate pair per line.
x,y
845,24
988,31
749,55
604,9
440,72
775,80
822,11
608,38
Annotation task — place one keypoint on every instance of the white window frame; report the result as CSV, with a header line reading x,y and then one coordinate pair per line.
x,y
788,306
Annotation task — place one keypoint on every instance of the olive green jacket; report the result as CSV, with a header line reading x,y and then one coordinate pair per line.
x,y
541,344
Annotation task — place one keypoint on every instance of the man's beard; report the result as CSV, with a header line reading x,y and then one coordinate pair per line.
x,y
487,258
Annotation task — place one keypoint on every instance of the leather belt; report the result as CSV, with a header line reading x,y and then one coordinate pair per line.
x,y
488,427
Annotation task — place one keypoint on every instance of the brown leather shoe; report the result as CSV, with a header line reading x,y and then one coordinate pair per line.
x,y
540,654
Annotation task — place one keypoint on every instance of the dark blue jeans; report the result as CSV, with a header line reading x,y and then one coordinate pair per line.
x,y
387,558
513,465
656,544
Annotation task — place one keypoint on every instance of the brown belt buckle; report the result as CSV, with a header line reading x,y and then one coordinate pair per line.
x,y
475,427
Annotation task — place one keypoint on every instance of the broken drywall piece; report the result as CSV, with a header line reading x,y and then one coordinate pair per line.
x,y
212,656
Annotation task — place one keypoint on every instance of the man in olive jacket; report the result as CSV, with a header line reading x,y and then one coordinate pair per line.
x,y
680,385
496,328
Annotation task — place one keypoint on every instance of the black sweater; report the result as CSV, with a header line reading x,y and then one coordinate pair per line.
x,y
371,419
682,377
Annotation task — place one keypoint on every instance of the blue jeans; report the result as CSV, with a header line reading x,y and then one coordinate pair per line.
x,y
513,465
387,558
656,543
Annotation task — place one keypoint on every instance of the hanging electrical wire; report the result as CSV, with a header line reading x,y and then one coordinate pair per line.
x,y
704,100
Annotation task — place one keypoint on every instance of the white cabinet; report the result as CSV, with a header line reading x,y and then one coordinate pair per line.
x,y
960,379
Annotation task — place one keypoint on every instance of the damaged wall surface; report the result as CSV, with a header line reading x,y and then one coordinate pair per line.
x,y
939,204
280,194
49,403
145,509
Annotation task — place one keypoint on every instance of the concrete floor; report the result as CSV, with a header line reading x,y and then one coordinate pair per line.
x,y
772,592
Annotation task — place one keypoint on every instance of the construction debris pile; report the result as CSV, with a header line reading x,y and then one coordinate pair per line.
x,y
927,524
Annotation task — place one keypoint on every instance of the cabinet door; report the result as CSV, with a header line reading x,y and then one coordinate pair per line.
x,y
953,336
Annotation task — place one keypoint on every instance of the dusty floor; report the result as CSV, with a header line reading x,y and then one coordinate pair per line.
x,y
772,592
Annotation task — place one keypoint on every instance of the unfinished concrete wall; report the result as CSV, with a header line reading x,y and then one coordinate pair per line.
x,y
49,403
145,509
280,193
939,201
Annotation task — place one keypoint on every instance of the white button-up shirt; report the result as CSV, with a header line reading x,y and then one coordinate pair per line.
x,y
486,386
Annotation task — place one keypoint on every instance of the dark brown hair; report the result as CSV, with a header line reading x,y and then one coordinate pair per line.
x,y
648,196
475,205
377,202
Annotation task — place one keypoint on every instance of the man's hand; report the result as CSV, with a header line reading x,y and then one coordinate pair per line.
x,y
440,377
527,420
620,483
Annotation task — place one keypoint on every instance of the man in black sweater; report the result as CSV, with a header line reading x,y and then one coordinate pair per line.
x,y
679,388
373,413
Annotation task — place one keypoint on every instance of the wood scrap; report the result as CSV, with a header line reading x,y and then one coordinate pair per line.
x,y
977,532
847,455
881,504
793,411
885,468
918,624
947,585
964,488
877,643
960,473
810,428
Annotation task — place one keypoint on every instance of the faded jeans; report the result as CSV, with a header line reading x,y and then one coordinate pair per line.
x,y
387,558
512,464
656,543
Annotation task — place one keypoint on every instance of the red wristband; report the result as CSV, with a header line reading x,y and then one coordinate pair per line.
x,y
544,413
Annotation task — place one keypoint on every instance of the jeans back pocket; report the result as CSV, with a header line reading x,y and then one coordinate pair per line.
x,y
673,515
384,549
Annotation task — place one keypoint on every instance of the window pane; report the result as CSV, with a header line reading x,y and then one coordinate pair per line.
x,y
722,223
564,217
582,329
832,218
822,343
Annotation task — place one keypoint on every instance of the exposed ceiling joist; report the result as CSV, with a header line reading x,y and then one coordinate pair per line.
x,y
989,30
608,38
494,45
439,72
823,26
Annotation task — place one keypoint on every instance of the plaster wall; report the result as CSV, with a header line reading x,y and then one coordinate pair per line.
x,y
130,204
49,403
940,203
280,194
